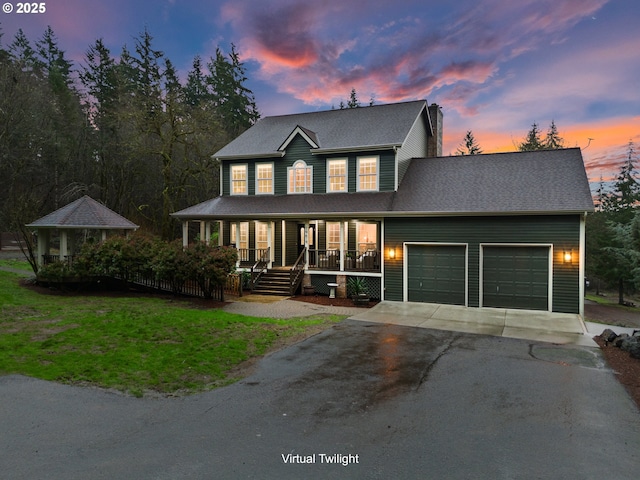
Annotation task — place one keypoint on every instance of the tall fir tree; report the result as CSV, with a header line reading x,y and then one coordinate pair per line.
x,y
553,141
532,140
469,146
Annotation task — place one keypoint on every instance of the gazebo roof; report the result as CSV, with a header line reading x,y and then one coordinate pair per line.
x,y
84,213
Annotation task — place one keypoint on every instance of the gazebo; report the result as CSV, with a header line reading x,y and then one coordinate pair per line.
x,y
81,215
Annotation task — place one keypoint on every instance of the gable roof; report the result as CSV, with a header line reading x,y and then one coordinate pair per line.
x,y
310,137
543,181
84,212
378,126
539,182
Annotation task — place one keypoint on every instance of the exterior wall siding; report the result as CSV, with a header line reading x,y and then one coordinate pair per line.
x,y
415,146
561,231
299,149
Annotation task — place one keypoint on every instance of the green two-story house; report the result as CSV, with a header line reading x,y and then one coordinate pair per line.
x,y
325,196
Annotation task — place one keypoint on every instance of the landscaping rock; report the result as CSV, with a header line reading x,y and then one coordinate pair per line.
x,y
628,342
608,335
620,338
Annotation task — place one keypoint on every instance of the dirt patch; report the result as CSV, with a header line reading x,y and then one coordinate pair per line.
x,y
612,315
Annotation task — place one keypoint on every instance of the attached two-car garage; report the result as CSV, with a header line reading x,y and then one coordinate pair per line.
x,y
509,276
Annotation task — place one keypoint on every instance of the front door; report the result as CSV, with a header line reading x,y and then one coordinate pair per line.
x,y
312,241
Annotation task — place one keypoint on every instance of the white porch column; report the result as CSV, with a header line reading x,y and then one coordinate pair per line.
x,y
220,233
43,245
284,243
103,235
63,244
237,227
185,234
306,245
269,242
207,232
342,246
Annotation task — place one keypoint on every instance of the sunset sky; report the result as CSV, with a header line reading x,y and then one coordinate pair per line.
x,y
495,66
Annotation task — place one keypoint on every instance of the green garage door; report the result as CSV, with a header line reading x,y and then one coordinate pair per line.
x,y
436,274
516,277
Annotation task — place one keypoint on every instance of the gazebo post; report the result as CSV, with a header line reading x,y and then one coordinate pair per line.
x,y
207,232
43,244
63,244
185,233
203,232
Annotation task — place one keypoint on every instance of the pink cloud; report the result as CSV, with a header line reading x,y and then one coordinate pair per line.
x,y
301,47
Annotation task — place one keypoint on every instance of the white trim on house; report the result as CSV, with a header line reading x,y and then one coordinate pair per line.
x,y
550,268
246,179
346,174
405,265
359,175
257,178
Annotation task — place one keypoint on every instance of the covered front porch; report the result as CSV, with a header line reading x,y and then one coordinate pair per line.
x,y
352,245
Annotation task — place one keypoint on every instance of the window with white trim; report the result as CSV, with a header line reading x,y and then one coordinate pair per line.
x,y
337,175
238,179
333,236
244,235
264,178
368,174
367,236
262,233
300,178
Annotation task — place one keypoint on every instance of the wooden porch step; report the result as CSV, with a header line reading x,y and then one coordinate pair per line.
x,y
274,282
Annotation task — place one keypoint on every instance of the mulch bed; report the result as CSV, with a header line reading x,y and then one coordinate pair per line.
x,y
626,368
332,302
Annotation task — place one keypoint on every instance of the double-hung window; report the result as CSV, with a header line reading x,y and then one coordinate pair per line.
x,y
333,236
243,241
300,178
239,180
262,234
337,175
264,178
368,174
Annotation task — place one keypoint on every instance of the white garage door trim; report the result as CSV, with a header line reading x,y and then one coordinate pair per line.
x,y
550,279
405,269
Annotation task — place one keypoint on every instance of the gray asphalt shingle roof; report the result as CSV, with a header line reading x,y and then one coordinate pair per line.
x,y
515,182
332,129
552,181
84,212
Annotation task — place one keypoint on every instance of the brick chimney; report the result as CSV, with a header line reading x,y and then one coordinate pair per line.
x,y
434,144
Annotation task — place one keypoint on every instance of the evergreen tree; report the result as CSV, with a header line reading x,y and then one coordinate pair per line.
x,y
195,90
532,140
469,146
234,102
23,53
553,140
353,99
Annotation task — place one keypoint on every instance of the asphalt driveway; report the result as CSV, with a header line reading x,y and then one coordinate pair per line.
x,y
384,401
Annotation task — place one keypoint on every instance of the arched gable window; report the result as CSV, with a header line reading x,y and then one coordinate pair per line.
x,y
300,178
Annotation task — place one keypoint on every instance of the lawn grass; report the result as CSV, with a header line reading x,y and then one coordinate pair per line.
x,y
17,264
133,344
610,299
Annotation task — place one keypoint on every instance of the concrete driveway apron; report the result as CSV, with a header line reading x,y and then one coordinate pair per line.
x,y
359,400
